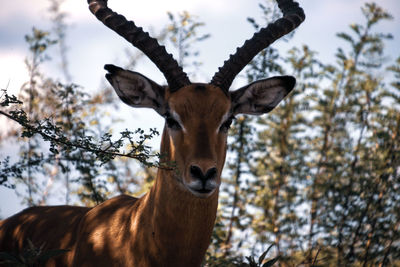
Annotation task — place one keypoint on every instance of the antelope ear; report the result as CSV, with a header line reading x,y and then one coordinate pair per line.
x,y
135,89
261,96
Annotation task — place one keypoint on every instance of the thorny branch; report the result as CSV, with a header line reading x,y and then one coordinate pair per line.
x,y
105,149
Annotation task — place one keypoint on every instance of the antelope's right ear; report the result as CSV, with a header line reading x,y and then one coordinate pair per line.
x,y
136,90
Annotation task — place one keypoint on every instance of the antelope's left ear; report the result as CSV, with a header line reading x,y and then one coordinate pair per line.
x,y
261,96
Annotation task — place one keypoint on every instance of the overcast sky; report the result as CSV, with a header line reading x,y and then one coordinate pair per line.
x,y
91,45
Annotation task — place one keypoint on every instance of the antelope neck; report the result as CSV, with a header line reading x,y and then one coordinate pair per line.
x,y
180,220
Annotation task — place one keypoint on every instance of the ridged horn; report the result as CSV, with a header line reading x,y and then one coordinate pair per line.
x,y
175,76
293,16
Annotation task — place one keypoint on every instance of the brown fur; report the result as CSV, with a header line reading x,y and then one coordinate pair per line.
x,y
168,226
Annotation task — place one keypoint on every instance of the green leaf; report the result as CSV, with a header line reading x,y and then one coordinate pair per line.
x,y
6,257
270,262
262,257
46,255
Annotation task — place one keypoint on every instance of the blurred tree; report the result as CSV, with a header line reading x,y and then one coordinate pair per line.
x,y
349,189
280,164
183,33
30,152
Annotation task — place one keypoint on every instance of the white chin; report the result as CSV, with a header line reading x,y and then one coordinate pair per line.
x,y
197,189
202,193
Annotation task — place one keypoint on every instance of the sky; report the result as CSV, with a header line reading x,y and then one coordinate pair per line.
x,y
91,45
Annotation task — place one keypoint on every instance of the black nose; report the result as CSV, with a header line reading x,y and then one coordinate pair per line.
x,y
197,173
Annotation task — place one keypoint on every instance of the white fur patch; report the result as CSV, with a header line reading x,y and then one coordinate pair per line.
x,y
176,117
224,118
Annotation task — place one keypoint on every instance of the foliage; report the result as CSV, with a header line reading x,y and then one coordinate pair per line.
x,y
59,114
249,261
30,257
322,173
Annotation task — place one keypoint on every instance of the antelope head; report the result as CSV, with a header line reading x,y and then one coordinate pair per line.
x,y
198,115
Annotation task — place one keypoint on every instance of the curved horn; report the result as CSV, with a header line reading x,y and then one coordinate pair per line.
x,y
176,77
293,16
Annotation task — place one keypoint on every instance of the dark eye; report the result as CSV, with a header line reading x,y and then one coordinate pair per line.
x,y
225,126
172,124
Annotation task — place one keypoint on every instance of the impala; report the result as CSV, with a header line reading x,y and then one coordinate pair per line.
x,y
172,224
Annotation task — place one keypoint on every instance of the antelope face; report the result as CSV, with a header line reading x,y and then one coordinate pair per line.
x,y
197,119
